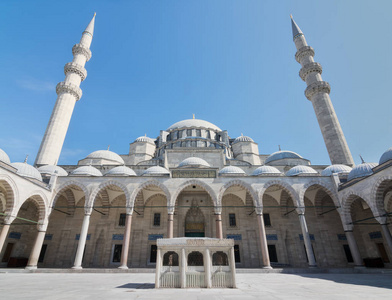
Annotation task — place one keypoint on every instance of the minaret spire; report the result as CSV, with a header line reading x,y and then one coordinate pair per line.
x,y
317,92
68,92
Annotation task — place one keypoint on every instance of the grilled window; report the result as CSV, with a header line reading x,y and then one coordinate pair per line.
x,y
232,220
157,219
121,221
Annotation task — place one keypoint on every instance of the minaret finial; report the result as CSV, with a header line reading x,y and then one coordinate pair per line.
x,y
363,161
296,30
90,27
25,161
193,116
279,148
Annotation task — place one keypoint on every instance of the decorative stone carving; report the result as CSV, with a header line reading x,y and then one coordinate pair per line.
x,y
304,51
69,88
75,68
80,49
309,68
317,87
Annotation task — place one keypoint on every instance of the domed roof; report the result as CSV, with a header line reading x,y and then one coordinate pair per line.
x,y
156,171
231,170
121,171
193,162
335,169
50,169
145,139
26,170
266,170
243,138
387,155
86,171
301,170
193,123
106,154
362,170
281,155
4,157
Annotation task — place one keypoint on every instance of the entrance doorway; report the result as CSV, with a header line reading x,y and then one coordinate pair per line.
x,y
194,222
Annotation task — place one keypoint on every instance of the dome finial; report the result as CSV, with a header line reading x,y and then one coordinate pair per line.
x,y
108,147
242,134
25,161
279,148
193,116
363,161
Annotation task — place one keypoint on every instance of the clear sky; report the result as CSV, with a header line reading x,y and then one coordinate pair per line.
x,y
228,62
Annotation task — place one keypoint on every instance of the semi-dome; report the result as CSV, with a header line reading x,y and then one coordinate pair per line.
x,y
4,157
107,155
243,138
335,169
193,123
145,139
86,171
121,171
50,169
301,170
231,170
282,155
156,171
362,170
387,155
193,162
266,170
26,170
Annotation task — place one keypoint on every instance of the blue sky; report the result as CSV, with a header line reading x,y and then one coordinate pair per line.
x,y
228,62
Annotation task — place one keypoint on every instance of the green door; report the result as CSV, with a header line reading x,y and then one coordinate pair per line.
x,y
194,234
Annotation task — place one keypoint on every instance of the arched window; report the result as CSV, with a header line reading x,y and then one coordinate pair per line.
x,y
170,259
195,258
220,259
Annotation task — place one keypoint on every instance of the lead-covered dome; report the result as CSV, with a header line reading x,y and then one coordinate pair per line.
x,y
362,170
232,170
156,171
86,171
4,157
50,169
120,171
193,162
265,171
145,139
387,155
193,123
26,170
106,155
243,138
282,155
301,171
335,169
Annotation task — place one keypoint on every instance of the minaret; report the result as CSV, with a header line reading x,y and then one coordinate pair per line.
x,y
317,92
68,92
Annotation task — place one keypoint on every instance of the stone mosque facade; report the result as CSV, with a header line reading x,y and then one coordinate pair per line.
x,y
194,180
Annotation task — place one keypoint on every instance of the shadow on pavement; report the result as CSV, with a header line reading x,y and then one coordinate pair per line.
x,y
140,286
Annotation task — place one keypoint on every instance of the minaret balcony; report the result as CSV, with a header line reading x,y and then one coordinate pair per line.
x,y
304,51
75,68
80,49
317,87
310,68
69,88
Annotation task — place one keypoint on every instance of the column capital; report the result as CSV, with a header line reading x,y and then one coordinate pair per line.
x,y
300,210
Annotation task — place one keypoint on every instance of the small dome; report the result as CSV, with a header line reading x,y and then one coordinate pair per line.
x,y
301,170
106,154
335,169
86,171
145,139
26,170
282,155
193,162
121,171
362,170
50,169
4,157
231,170
194,123
266,170
156,171
387,155
243,138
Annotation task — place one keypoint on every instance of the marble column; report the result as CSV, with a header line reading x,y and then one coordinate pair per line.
x,y
170,219
353,248
232,267
308,243
3,235
158,269
126,240
387,237
183,269
207,268
263,242
34,255
82,242
219,231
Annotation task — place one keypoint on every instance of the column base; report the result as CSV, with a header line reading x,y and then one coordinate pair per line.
x,y
77,268
359,267
313,266
31,268
267,267
123,267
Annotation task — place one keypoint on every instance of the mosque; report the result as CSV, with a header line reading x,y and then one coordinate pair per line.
x,y
194,180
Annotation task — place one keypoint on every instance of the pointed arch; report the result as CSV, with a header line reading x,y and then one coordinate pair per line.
x,y
378,190
347,203
240,183
196,182
11,195
66,190
145,185
107,184
40,200
291,192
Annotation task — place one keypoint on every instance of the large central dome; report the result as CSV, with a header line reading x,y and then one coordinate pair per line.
x,y
194,123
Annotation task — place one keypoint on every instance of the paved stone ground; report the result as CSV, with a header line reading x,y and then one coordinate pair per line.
x,y
141,286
